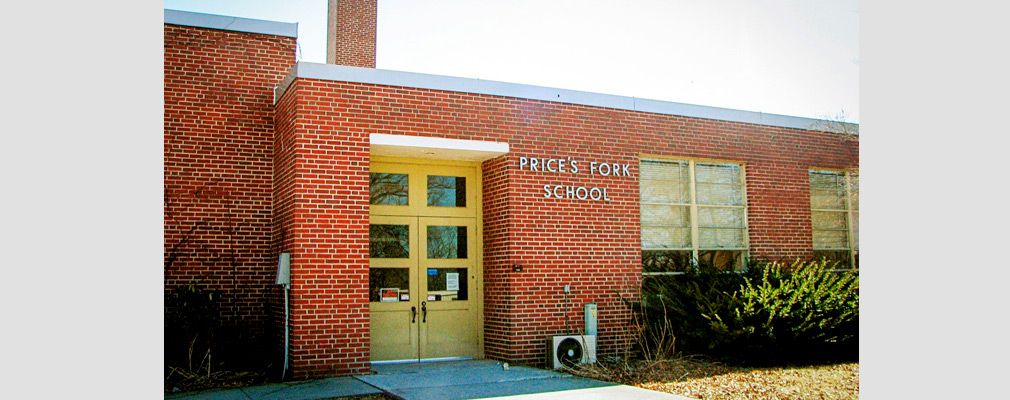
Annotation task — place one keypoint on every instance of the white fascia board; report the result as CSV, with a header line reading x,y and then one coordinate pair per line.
x,y
506,89
343,73
438,148
226,23
724,114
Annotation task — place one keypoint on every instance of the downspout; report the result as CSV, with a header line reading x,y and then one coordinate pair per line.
x,y
284,278
287,288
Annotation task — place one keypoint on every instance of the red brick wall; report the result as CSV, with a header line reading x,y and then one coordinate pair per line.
x,y
497,259
355,33
594,246
218,137
322,197
283,195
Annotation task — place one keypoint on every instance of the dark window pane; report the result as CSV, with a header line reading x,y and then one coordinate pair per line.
x,y
445,284
835,258
397,279
389,189
446,191
723,260
389,241
666,261
447,242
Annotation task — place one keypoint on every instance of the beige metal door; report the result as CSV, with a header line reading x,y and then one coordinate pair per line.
x,y
425,271
448,286
393,287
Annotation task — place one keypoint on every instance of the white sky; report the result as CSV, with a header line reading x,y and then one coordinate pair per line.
x,y
791,57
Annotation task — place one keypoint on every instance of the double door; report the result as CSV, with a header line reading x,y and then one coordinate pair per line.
x,y
423,278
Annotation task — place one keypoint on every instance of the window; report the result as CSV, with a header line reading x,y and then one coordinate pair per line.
x,y
834,215
446,191
391,189
693,213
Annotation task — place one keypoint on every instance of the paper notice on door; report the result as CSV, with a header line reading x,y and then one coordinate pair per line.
x,y
452,281
389,294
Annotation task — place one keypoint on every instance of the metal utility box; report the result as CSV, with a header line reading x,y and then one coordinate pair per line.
x,y
591,318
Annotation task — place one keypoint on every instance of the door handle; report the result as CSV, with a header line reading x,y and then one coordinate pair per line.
x,y
424,311
413,317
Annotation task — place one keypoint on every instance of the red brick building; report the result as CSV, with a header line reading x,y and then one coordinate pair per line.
x,y
434,217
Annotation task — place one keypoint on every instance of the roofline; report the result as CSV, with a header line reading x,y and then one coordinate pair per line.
x,y
343,73
226,23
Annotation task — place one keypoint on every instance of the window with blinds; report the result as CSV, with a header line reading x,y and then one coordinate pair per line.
x,y
692,213
834,217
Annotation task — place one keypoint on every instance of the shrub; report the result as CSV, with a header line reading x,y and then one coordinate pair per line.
x,y
653,334
690,301
771,313
191,325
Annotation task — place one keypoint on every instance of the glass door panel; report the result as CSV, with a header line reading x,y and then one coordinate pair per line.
x,y
393,287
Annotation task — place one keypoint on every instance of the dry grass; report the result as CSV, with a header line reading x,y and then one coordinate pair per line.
x,y
187,381
701,379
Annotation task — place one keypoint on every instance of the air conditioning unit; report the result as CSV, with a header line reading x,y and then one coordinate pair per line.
x,y
570,350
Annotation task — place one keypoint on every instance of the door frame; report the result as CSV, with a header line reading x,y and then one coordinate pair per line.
x,y
475,197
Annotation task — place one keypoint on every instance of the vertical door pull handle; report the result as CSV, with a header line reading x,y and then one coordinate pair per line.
x,y
424,312
413,312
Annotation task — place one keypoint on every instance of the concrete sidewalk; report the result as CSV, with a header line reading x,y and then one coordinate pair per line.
x,y
484,379
316,389
452,380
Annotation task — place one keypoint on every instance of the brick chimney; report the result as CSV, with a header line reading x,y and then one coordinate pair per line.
x,y
350,33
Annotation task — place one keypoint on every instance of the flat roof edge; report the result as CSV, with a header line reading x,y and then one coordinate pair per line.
x,y
343,73
226,23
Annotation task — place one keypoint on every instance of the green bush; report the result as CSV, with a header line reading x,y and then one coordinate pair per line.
x,y
771,313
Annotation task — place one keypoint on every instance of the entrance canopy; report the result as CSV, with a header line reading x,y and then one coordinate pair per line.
x,y
436,148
